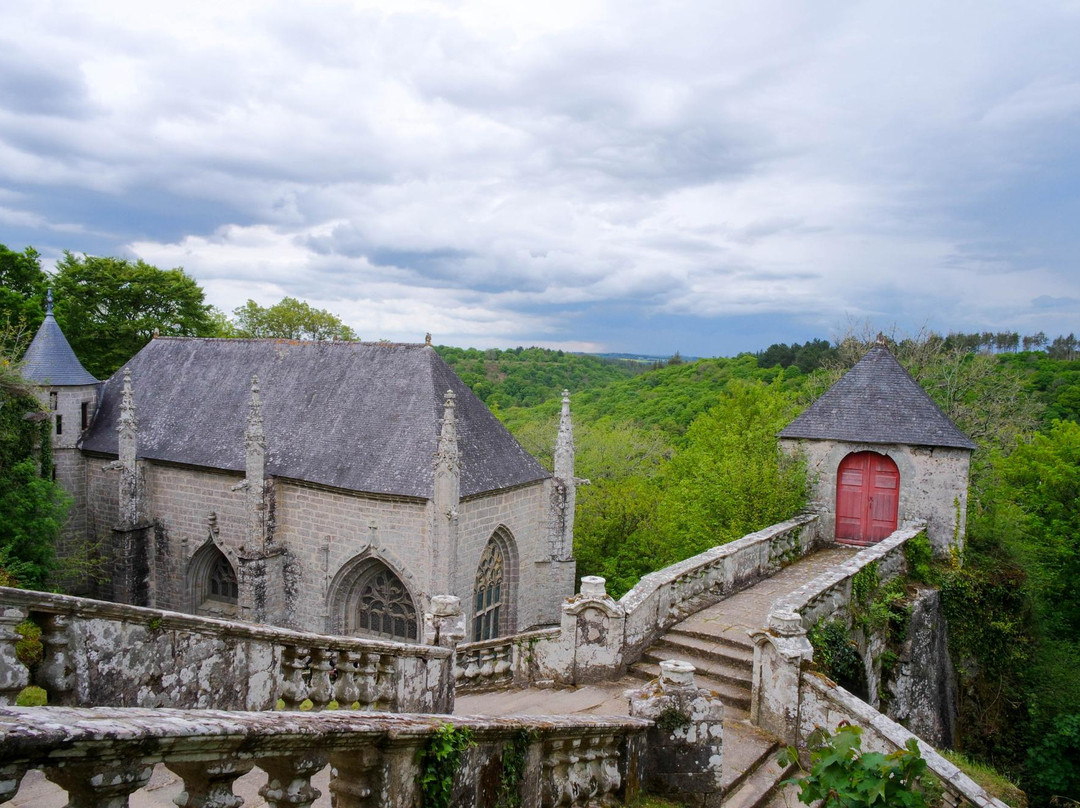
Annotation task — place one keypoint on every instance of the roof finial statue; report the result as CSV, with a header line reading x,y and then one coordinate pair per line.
x,y
127,423
48,303
427,338
881,338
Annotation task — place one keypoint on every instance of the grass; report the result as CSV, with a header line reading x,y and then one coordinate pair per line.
x,y
649,801
31,696
995,783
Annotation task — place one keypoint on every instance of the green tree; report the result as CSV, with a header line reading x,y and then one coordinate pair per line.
x,y
729,479
22,289
109,308
289,319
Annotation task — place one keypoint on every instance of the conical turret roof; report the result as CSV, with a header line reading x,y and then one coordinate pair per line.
x,y
50,360
877,401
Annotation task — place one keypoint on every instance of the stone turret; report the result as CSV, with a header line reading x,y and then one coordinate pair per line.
x,y
127,428
447,498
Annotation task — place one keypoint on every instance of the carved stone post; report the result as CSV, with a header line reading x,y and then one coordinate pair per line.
x,y
685,749
356,778
594,626
57,671
13,673
288,783
779,654
210,785
99,785
444,626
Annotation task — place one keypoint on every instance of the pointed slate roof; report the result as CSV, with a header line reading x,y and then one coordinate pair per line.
x,y
357,416
49,360
877,401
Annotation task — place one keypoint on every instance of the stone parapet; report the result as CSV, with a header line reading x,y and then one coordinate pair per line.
x,y
108,654
375,760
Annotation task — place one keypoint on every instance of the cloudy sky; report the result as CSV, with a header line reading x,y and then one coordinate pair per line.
x,y
708,177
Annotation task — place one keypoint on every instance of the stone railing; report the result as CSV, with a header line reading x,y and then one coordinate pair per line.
x,y
503,661
599,637
101,756
825,704
107,654
830,593
782,648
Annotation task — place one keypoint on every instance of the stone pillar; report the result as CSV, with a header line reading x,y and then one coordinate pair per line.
x,y
593,626
779,654
562,544
685,749
255,468
446,500
127,426
444,626
13,673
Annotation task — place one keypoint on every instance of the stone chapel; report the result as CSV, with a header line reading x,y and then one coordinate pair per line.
x,y
326,486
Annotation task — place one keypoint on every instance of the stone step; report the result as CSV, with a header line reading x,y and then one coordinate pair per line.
x,y
736,644
735,658
712,667
746,748
758,787
736,699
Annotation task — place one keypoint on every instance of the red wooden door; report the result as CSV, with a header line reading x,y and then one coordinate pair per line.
x,y
867,497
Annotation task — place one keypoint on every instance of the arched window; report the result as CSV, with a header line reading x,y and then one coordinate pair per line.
x,y
488,593
212,579
383,606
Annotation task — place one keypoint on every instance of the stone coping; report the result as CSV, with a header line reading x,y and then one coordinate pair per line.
x,y
799,599
655,580
51,734
89,609
552,632
893,734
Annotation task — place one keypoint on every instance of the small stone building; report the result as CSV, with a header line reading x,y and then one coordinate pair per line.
x,y
880,452
326,486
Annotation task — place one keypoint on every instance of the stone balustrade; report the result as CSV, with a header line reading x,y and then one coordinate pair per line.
x,y
107,654
101,756
502,661
830,593
825,704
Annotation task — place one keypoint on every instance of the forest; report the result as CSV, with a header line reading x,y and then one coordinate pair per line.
x,y
681,457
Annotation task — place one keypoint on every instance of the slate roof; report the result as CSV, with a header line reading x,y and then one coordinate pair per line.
x,y
50,361
353,415
877,401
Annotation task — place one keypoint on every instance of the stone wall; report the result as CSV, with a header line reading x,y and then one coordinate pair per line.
x,y
107,654
933,484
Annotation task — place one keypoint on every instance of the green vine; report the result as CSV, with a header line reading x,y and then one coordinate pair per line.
x,y
512,776
439,761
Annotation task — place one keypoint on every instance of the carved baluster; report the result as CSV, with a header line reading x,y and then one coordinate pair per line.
x,y
11,774
99,785
294,689
321,690
557,767
356,778
367,683
346,686
387,682
13,674
288,783
502,659
610,779
57,672
472,668
210,785
487,662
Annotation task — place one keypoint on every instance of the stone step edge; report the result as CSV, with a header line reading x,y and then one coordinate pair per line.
x,y
718,672
746,647
739,699
756,789
756,764
688,645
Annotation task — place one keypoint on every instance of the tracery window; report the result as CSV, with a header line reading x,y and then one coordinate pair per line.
x,y
214,587
488,593
223,584
384,607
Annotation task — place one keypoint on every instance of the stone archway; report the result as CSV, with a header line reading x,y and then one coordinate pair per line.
x,y
370,599
212,583
867,497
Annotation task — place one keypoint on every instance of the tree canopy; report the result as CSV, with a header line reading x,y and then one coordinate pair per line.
x,y
22,290
109,308
289,319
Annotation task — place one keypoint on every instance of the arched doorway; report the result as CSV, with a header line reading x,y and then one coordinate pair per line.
x,y
867,497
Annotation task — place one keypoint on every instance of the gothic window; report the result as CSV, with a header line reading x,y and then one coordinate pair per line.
x,y
488,595
214,588
384,607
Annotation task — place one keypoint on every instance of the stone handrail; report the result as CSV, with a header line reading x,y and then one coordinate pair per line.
x,y
830,592
101,756
502,661
663,598
825,704
108,654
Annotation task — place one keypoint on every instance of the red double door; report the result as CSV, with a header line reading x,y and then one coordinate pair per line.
x,y
867,497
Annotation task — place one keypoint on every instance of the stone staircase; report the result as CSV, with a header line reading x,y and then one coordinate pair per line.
x,y
723,664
